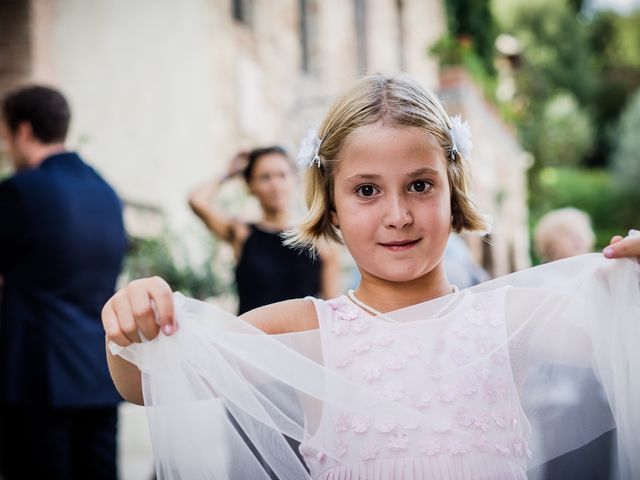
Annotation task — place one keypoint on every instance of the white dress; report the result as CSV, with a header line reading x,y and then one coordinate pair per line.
x,y
461,394
453,370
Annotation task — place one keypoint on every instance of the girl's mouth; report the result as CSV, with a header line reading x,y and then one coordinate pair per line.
x,y
400,245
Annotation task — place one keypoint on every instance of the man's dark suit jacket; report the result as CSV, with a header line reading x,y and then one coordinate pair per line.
x,y
62,242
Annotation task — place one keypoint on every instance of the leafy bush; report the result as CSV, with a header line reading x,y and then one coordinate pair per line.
x,y
450,51
472,21
626,158
5,166
612,210
566,132
165,257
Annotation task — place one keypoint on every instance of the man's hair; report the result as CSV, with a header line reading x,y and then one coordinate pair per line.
x,y
44,108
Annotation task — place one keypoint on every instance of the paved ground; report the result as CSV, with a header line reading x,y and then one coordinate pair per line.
x,y
135,457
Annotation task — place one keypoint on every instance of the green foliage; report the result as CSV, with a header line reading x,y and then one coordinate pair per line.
x,y
626,159
470,43
576,72
5,165
471,21
556,51
555,77
615,40
449,51
612,210
566,133
594,55
452,51
165,258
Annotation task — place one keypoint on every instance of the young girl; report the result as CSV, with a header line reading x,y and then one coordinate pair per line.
x,y
407,377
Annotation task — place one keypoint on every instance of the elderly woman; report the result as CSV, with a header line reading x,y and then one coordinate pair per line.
x,y
563,233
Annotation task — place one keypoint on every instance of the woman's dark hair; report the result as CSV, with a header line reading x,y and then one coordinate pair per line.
x,y
45,109
255,154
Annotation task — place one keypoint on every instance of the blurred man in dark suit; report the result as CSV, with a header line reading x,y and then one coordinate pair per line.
x,y
62,242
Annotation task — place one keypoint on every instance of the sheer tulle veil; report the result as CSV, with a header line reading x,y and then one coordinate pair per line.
x,y
571,327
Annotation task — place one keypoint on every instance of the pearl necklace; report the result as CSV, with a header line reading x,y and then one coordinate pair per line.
x,y
376,313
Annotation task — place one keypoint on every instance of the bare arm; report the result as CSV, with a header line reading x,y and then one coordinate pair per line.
x,y
290,316
200,200
126,377
131,310
330,273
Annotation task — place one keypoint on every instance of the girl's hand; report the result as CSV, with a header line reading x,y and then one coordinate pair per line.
x,y
620,247
145,305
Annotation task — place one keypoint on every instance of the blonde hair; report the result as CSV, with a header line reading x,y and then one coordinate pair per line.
x,y
563,233
396,101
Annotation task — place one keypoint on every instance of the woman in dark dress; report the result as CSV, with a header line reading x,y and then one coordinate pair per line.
x,y
266,271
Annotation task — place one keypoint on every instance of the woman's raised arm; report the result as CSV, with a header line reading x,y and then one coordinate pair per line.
x,y
223,226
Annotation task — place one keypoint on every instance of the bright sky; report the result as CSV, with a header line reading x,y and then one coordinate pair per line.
x,y
622,6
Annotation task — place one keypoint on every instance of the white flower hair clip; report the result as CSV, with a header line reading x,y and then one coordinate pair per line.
x,y
309,148
460,138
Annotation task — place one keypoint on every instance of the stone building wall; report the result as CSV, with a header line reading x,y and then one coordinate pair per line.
x,y
15,43
15,52
164,92
499,167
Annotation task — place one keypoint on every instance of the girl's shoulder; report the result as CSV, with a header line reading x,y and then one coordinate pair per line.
x,y
288,316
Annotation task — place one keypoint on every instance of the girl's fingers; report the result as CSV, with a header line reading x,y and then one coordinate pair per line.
x,y
126,321
623,247
112,326
160,292
144,306
142,311
615,239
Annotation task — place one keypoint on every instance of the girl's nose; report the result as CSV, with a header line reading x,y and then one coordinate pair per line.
x,y
398,214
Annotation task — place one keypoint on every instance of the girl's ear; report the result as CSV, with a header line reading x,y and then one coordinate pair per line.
x,y
334,218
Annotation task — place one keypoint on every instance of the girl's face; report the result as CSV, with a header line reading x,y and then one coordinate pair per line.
x,y
272,182
392,201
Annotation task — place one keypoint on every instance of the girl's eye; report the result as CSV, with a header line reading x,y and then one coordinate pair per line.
x,y
366,190
420,186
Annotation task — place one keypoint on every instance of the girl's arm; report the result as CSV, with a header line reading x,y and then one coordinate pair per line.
x,y
146,306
